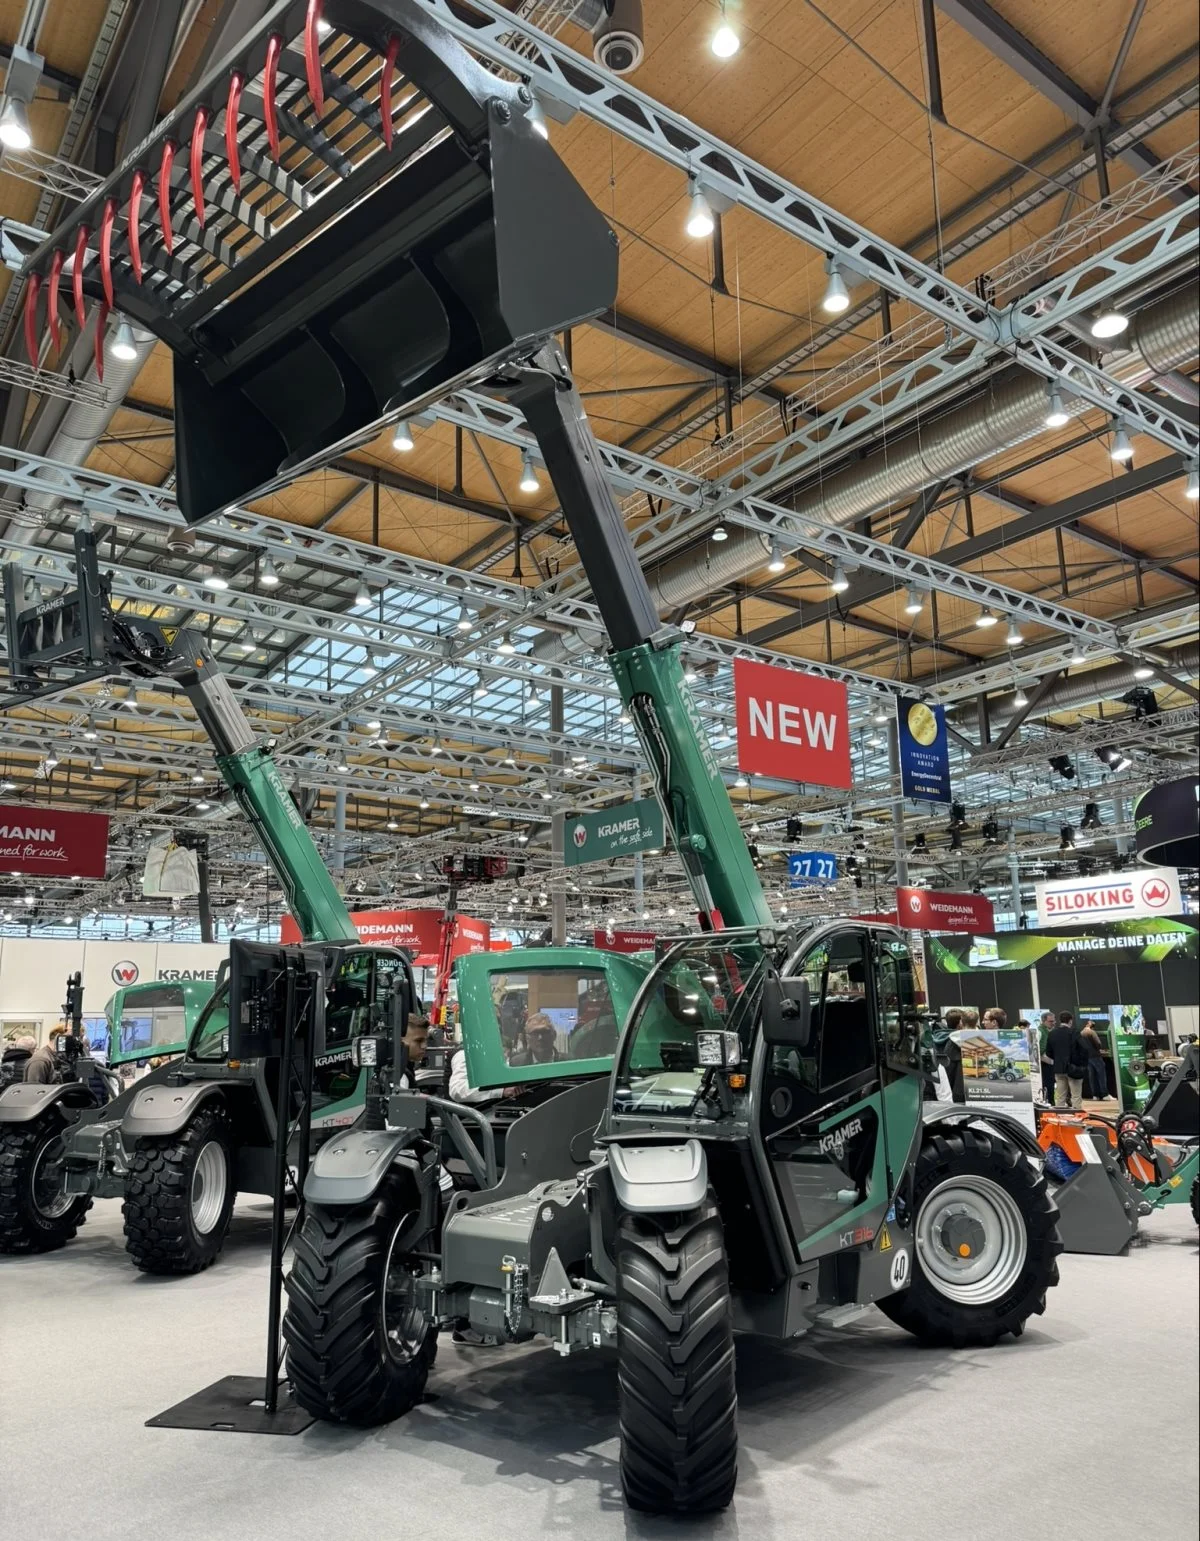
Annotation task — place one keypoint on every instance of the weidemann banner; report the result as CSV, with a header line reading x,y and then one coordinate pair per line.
x,y
50,842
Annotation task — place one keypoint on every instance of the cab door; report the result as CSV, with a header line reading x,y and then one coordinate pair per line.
x,y
821,1109
899,1030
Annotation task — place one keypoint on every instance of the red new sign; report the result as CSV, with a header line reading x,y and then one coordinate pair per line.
x,y
47,840
624,941
791,725
418,931
925,909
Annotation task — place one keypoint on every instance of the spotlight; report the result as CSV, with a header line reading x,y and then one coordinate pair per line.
x,y
402,439
1078,657
529,477
1057,415
123,348
1020,699
1192,486
795,827
465,619
991,832
720,533
956,840
1062,764
1015,635
1122,448
725,41
985,618
506,645
1143,701
700,221
920,845
1109,323
362,595
14,126
915,602
51,759
1143,673
836,298
776,561
958,816
839,583
89,730
1091,817
214,581
881,714
267,576
1066,838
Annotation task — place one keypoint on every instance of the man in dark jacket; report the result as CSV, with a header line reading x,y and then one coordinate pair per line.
x,y
42,1064
1069,1056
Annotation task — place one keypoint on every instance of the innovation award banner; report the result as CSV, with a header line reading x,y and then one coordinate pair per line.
x,y
924,750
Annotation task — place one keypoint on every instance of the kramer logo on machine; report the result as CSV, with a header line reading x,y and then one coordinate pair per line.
x,y
834,1143
1109,896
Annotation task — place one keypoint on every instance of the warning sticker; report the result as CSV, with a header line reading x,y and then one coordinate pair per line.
x,y
885,1240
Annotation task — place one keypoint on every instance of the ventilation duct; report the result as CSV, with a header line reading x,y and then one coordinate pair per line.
x,y
1107,684
1162,338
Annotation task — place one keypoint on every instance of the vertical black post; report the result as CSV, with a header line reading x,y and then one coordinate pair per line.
x,y
271,1389
203,897
315,980
718,257
933,66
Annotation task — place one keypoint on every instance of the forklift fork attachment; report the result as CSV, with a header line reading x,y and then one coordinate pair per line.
x,y
378,225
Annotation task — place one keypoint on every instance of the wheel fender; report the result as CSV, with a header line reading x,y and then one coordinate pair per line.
x,y
161,1110
21,1104
1002,1125
650,1179
349,1168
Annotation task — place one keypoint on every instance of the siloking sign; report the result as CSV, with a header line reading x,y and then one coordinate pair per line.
x,y
47,841
1109,896
419,932
792,726
927,909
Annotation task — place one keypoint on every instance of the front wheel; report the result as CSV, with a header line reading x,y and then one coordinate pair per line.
x,y
36,1215
986,1242
359,1344
675,1363
179,1195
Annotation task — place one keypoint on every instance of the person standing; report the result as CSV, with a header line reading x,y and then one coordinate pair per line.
x,y
1069,1056
1097,1075
995,1019
42,1064
1045,1027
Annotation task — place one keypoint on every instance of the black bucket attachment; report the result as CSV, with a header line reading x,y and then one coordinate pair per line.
x,y
348,219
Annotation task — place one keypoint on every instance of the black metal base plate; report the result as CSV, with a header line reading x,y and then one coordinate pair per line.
x,y
235,1405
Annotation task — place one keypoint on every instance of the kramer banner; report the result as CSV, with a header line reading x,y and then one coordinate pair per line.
x,y
619,831
924,751
47,841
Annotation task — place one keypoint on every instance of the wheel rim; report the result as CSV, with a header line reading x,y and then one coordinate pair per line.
x,y
45,1181
971,1240
209,1179
405,1325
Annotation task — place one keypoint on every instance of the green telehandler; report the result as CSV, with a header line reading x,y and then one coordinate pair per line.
x,y
761,1157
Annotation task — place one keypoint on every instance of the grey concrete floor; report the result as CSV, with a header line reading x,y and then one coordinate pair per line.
x,y
1085,1428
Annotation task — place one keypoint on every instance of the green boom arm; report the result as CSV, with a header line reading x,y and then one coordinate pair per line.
x,y
645,658
254,780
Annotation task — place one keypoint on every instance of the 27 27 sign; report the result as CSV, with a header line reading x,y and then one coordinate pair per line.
x,y
805,867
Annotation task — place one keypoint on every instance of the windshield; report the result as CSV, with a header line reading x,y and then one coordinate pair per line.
x,y
702,985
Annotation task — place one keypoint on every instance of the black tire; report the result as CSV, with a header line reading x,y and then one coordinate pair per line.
x,y
343,1365
166,1227
1196,1199
27,1220
937,1318
675,1363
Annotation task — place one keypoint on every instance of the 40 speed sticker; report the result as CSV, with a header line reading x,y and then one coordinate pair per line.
x,y
900,1265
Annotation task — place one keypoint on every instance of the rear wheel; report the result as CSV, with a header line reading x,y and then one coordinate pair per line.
x,y
359,1344
35,1214
986,1243
179,1195
675,1363
1196,1199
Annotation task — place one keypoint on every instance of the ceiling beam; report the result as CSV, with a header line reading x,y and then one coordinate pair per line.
x,y
643,335
1035,521
1003,40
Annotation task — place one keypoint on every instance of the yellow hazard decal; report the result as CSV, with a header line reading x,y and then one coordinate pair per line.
x,y
1175,1181
885,1240
170,633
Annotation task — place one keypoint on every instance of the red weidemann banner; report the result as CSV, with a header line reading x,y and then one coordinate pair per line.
x,y
48,842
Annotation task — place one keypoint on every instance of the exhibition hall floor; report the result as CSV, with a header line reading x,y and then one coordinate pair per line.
x,y
846,1434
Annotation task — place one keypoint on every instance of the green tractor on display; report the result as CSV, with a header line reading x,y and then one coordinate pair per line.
x,y
760,1156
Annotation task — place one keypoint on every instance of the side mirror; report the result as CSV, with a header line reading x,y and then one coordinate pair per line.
x,y
786,1012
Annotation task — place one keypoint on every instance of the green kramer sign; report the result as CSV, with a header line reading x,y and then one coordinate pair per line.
x,y
619,831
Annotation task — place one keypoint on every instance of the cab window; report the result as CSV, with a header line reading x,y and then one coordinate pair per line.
x,y
841,1045
554,1015
151,1018
348,1004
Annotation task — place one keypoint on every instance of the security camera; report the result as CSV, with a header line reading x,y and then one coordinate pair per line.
x,y
617,36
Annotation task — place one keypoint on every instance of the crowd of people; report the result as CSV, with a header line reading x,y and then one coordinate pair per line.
x,y
1071,1053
